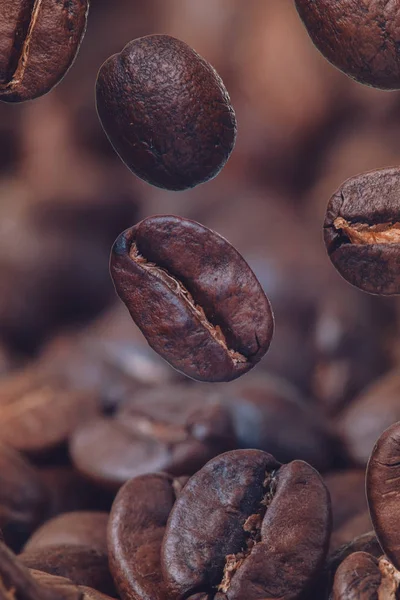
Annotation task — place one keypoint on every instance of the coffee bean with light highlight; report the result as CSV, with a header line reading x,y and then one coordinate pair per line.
x,y
363,577
362,231
166,112
359,38
39,40
194,297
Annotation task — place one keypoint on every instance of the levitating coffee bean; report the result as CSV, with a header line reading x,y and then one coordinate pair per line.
x,y
383,491
362,231
363,577
39,41
194,297
166,112
246,526
360,38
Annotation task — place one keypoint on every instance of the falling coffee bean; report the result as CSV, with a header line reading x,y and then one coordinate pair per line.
x,y
39,40
359,38
194,297
245,526
166,112
362,231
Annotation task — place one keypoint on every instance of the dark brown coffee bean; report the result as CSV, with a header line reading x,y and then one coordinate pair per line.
x,y
383,491
166,112
347,492
135,533
65,587
247,527
76,528
196,300
39,42
362,231
355,527
363,577
360,39
175,429
81,564
23,497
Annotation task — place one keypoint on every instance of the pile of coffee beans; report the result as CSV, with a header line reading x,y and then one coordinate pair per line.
x,y
220,418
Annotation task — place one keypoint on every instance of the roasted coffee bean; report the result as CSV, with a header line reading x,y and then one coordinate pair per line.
x,y
363,577
81,564
347,492
360,39
194,297
76,528
135,533
362,231
24,498
246,526
39,42
175,429
166,112
383,491
358,525
65,587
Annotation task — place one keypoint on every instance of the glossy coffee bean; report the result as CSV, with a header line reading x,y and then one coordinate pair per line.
x,y
362,231
136,529
246,526
39,42
383,491
166,112
363,577
194,297
360,38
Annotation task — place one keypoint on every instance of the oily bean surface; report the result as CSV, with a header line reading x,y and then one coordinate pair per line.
x,y
166,112
233,529
362,231
383,491
360,38
194,297
39,40
357,578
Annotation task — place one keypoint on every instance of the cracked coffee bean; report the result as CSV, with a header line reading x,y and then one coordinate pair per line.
x,y
39,40
246,526
136,529
194,297
166,112
383,491
359,38
362,231
363,577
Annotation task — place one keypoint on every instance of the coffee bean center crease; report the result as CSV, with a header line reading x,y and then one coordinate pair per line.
x,y
362,233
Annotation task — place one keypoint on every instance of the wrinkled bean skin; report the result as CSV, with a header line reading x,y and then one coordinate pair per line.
x,y
383,491
220,513
357,578
359,38
370,259
168,270
39,40
166,112
136,529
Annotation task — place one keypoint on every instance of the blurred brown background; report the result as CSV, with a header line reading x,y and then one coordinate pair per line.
x,y
303,128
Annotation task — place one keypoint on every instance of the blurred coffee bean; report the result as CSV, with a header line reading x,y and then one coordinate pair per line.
x,y
61,587
269,414
83,565
23,497
358,525
373,411
75,528
136,529
347,491
38,415
175,429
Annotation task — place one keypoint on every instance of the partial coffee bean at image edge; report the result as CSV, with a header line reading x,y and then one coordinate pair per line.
x,y
362,231
193,296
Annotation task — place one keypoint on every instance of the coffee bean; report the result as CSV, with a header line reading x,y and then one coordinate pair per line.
x,y
347,492
355,527
363,577
135,533
65,588
39,42
166,112
76,528
245,526
383,491
194,297
360,39
362,231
